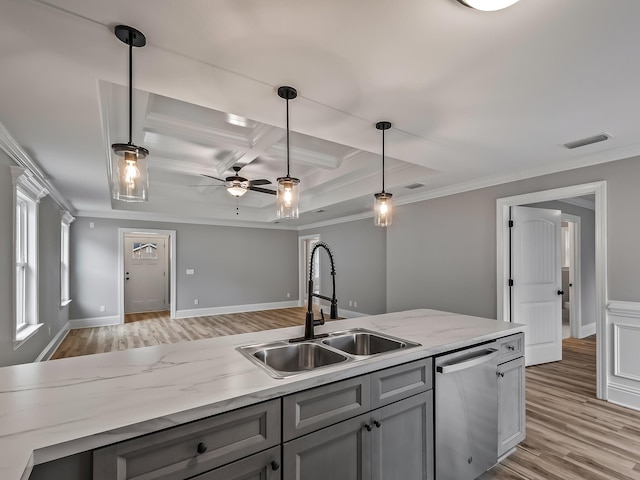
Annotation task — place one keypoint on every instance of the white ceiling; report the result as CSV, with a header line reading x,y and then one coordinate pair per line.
x,y
475,98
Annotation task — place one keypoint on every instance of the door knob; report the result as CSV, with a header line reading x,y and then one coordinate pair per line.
x,y
377,423
368,427
275,465
560,292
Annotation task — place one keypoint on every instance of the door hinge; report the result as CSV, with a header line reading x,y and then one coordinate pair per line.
x,y
511,282
510,223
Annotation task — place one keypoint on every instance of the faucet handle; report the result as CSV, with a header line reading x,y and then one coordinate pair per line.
x,y
319,321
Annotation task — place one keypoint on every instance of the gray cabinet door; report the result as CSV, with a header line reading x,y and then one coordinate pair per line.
x,y
511,405
339,452
402,446
261,466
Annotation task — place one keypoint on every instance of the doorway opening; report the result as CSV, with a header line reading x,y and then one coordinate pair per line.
x,y
503,255
305,246
147,271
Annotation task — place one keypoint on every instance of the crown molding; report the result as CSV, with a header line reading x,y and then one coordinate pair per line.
x,y
32,176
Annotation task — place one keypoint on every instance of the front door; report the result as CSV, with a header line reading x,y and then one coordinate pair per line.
x,y
145,266
537,281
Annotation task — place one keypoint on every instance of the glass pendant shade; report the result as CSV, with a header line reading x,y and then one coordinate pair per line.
x,y
287,197
488,5
383,209
130,169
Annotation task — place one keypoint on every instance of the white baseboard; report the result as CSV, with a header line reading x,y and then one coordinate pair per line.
x,y
94,322
349,314
53,344
624,396
203,312
587,330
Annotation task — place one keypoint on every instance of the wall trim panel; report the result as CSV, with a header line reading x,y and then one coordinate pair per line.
x,y
203,312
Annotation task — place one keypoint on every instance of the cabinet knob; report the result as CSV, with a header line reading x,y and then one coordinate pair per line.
x,y
511,348
275,465
500,374
368,427
202,447
377,423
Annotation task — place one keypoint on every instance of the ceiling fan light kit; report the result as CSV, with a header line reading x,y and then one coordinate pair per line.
x,y
488,5
383,208
288,187
129,163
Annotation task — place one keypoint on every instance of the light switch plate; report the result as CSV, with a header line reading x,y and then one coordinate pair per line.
x,y
190,271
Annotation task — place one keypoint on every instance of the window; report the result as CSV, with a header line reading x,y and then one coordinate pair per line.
x,y
27,194
65,228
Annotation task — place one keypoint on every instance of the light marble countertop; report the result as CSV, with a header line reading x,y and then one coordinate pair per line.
x,y
58,408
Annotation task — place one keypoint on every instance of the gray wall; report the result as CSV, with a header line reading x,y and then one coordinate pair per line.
x,y
360,250
587,256
233,265
441,253
50,313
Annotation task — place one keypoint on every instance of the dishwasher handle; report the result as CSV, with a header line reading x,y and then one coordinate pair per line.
x,y
485,356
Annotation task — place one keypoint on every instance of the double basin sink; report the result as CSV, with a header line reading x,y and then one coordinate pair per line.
x,y
283,359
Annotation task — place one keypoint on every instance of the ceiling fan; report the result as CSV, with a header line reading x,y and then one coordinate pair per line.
x,y
238,186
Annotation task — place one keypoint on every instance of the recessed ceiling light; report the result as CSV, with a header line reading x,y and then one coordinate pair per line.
x,y
488,5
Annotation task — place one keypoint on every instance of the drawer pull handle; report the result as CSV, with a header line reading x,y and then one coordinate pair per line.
x,y
202,447
500,374
377,423
368,427
275,465
511,348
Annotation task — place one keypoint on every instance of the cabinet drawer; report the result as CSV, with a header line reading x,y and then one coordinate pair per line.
x,y
511,347
260,466
180,452
319,407
403,381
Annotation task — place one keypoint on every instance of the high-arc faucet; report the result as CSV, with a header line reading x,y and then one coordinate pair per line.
x,y
310,322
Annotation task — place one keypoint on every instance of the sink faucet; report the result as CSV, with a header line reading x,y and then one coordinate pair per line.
x,y
310,322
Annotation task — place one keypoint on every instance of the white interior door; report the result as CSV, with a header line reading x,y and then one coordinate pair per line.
x,y
145,265
537,281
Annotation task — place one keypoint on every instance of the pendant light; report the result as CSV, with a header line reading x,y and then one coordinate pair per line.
x,y
288,191
382,203
488,5
129,164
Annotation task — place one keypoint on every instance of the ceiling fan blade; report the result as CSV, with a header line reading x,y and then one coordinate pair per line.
x,y
260,181
263,190
215,178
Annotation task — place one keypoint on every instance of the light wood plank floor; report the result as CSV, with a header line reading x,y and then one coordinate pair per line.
x,y
570,434
154,328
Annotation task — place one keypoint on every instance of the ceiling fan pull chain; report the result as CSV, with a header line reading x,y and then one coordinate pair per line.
x,y
237,210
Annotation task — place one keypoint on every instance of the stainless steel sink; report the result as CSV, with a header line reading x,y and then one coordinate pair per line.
x,y
361,342
283,359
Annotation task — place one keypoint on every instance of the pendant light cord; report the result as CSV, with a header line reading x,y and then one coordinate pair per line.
x,y
383,161
130,86
287,138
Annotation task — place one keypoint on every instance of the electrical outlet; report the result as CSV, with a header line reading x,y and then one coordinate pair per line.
x,y
103,308
355,304
91,225
196,301
350,303
288,295
190,271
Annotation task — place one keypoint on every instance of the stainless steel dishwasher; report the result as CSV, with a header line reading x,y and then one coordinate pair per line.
x,y
466,406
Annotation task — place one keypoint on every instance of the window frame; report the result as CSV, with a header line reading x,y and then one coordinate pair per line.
x,y
27,193
65,233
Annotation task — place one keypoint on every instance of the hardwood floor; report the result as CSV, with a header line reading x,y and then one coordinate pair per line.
x,y
570,434
154,328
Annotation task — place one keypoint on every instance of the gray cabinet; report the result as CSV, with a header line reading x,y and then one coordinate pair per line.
x,y
402,439
393,442
511,394
260,466
191,449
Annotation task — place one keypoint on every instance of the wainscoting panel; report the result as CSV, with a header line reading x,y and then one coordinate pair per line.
x,y
623,384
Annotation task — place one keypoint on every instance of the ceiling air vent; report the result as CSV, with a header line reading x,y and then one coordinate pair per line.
x,y
413,186
588,141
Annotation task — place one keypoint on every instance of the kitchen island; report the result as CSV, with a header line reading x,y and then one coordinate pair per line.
x,y
60,408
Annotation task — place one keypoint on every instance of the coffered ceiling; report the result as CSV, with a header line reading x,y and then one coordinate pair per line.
x,y
475,98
